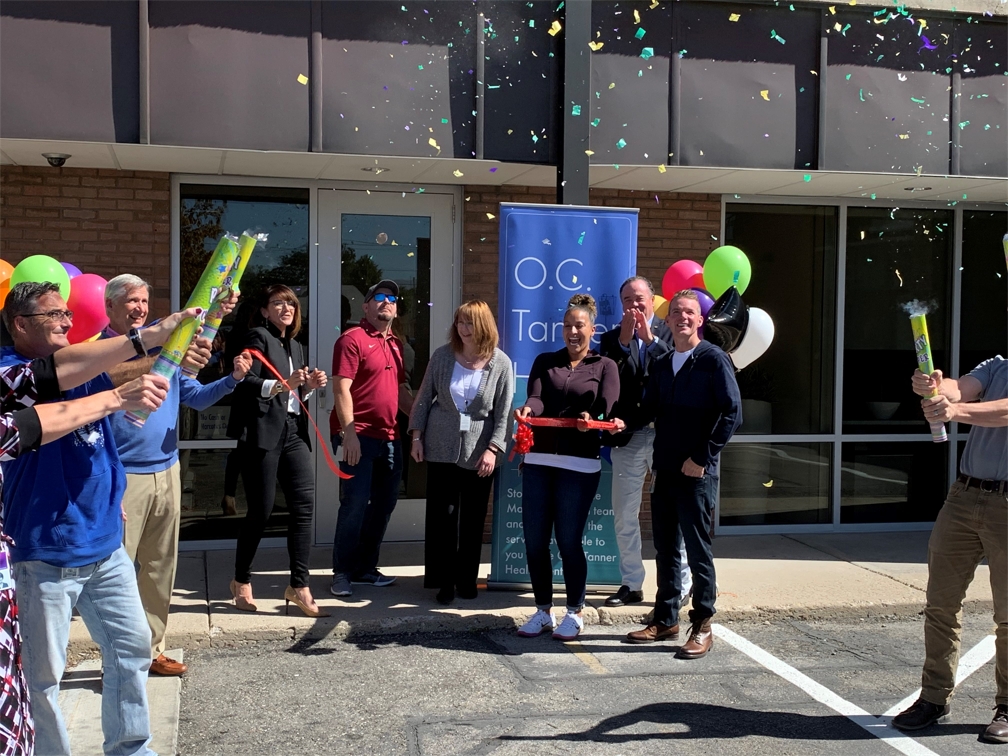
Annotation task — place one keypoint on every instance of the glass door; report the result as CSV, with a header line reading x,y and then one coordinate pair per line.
x,y
364,237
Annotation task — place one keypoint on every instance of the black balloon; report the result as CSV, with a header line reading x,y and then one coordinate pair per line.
x,y
727,321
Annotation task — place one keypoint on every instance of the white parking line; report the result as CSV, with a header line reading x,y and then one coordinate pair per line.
x,y
880,728
969,663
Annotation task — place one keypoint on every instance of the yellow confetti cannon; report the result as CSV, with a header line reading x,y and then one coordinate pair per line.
x,y
922,344
211,324
209,291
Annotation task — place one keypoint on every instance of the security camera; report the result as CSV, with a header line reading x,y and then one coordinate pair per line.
x,y
56,159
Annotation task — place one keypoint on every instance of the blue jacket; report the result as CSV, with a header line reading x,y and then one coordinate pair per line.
x,y
154,447
694,412
62,502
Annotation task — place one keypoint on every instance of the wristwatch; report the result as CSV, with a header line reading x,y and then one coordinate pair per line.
x,y
137,342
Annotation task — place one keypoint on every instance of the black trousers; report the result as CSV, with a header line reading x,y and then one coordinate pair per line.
x,y
453,536
681,503
232,469
290,465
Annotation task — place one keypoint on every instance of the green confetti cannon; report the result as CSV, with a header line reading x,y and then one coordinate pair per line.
x,y
211,324
209,290
922,343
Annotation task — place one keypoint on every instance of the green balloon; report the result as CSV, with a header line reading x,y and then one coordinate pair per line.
x,y
720,269
41,269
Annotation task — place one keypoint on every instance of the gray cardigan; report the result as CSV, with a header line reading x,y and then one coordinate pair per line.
x,y
436,417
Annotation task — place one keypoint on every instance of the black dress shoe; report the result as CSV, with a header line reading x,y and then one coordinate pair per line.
x,y
625,596
468,592
920,715
446,595
997,730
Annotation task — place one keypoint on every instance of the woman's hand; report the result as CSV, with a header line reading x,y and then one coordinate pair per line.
x,y
582,421
620,425
242,364
298,377
487,463
316,379
416,449
522,412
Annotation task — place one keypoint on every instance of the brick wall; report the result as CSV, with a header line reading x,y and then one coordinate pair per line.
x,y
103,221
671,227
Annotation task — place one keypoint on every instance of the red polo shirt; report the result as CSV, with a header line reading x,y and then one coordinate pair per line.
x,y
375,365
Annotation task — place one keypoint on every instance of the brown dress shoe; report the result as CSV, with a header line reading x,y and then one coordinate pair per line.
x,y
654,632
997,730
167,667
700,640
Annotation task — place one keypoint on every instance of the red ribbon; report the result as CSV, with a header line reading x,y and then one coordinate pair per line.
x,y
256,354
523,439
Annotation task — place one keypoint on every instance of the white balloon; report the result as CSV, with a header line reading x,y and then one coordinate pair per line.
x,y
758,337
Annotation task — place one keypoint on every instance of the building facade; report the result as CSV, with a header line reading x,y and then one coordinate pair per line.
x,y
858,154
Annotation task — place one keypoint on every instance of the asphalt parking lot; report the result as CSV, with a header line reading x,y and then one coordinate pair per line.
x,y
780,687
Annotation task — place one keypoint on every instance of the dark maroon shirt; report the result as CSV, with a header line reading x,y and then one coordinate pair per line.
x,y
556,390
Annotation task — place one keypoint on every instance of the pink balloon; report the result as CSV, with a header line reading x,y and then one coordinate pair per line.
x,y
684,274
87,301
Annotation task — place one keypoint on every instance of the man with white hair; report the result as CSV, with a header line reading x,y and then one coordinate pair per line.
x,y
152,503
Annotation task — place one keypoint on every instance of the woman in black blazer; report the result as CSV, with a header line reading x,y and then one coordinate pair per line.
x,y
276,445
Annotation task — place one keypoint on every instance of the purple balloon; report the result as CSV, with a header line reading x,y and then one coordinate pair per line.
x,y
72,270
706,301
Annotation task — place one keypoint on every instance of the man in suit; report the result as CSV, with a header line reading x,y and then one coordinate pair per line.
x,y
634,345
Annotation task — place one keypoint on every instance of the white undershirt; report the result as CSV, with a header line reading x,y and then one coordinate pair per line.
x,y
465,384
679,359
293,406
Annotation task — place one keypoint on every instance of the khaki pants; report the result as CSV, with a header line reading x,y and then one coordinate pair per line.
x,y
970,526
153,505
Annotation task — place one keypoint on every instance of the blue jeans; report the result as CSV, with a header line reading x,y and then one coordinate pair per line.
x,y
557,500
366,503
105,593
681,504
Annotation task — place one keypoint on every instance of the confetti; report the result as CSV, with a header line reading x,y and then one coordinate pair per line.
x,y
589,153
547,242
861,94
490,216
575,110
647,52
847,77
807,177
734,17
580,241
444,120
595,46
873,195
621,144
494,169
531,23
596,121
612,85
433,143
662,169
836,26
844,31
904,136
768,484
395,243
899,277
554,29
832,9
534,139
776,36
457,173
636,16
928,45
640,33
410,254
654,4
765,94
302,79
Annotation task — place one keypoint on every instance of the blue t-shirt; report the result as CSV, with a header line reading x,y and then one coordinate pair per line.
x,y
61,503
986,452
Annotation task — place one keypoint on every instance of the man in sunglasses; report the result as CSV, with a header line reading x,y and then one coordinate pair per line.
x,y
370,386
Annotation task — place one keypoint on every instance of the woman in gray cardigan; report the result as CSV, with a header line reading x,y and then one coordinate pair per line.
x,y
460,424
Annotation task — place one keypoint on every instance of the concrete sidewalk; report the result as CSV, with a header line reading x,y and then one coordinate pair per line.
x,y
798,576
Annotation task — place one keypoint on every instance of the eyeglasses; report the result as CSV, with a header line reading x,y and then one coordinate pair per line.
x,y
381,297
58,315
282,304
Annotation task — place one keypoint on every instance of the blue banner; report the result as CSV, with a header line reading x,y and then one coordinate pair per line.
x,y
547,254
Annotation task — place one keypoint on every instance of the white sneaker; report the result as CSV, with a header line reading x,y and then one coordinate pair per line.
x,y
570,628
539,623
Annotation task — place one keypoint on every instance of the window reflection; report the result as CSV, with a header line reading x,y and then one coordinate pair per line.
x,y
892,482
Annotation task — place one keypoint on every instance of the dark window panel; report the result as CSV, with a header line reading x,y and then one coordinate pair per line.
x,y
226,74
790,388
522,80
629,94
892,482
726,67
888,94
69,70
894,257
393,79
982,51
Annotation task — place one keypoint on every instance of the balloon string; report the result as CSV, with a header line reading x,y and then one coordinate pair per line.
x,y
255,353
523,439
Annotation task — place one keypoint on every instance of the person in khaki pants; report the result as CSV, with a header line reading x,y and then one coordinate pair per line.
x,y
153,498
972,525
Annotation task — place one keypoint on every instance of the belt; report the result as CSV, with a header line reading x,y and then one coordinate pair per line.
x,y
987,486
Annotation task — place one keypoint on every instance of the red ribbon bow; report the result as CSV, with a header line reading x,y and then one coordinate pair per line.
x,y
523,439
256,354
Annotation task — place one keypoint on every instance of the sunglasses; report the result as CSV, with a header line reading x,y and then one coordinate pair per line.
x,y
382,297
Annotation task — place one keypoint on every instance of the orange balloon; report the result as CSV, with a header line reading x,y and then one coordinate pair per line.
x,y
5,273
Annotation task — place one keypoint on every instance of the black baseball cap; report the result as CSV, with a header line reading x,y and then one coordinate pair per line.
x,y
383,284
